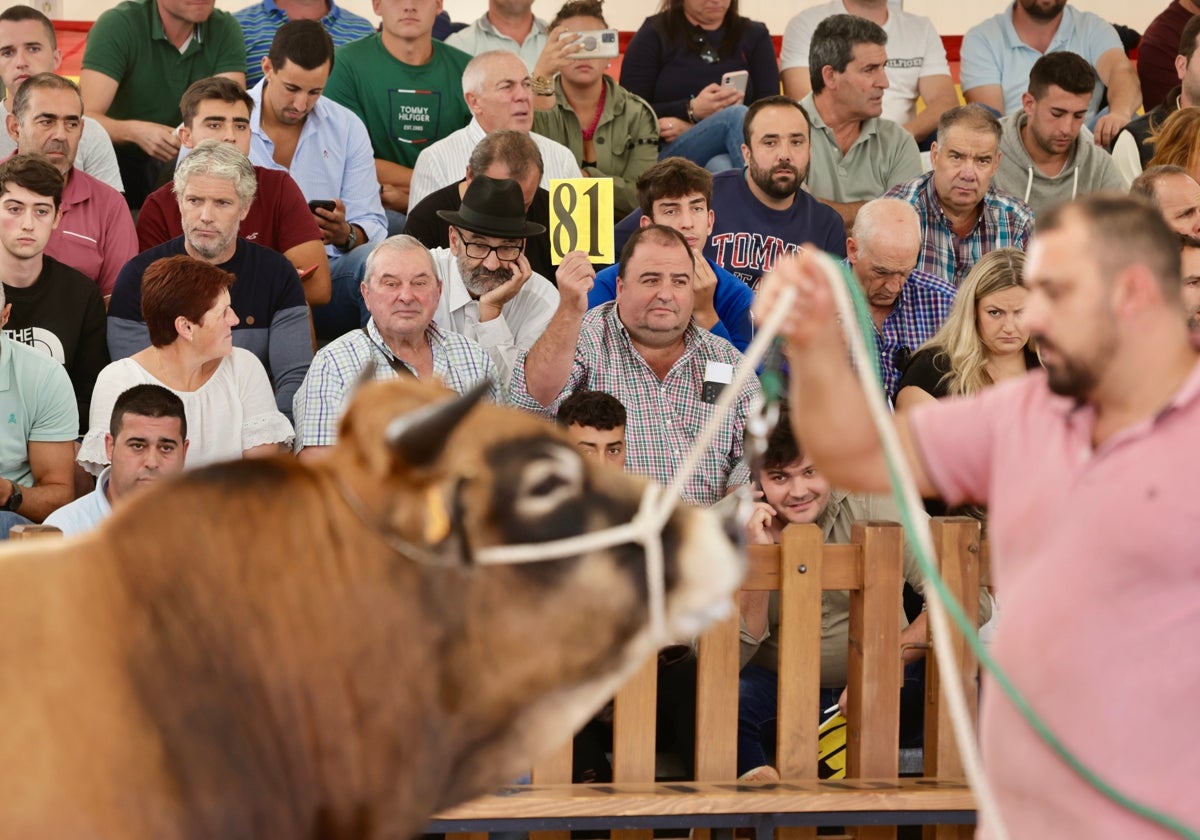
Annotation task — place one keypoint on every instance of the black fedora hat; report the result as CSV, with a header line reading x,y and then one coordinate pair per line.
x,y
493,207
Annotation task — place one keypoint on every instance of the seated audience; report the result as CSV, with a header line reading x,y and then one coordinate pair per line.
x,y
765,212
325,148
36,473
215,187
278,218
644,350
963,216
1045,157
856,154
501,154
401,289
499,94
595,423
612,132
29,46
491,294
677,61
1175,193
95,233
1134,147
260,21
998,54
1177,141
795,492
678,194
907,306
1157,60
146,441
407,88
225,391
917,68
51,306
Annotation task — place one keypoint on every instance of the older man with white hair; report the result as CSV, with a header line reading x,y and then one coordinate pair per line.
x,y
402,291
498,90
907,306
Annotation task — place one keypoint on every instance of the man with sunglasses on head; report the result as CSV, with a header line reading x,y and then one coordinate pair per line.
x,y
490,294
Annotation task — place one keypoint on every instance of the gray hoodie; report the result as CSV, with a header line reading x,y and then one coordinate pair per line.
x,y
1089,168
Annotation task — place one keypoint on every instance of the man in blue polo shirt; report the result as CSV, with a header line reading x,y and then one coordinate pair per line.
x,y
998,54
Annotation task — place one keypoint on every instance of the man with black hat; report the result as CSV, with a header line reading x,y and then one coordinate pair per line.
x,y
489,292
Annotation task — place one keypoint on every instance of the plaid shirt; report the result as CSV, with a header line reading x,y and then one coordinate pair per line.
x,y
664,416
923,304
1006,222
458,363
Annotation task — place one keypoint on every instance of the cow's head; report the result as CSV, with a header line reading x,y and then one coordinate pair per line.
x,y
535,648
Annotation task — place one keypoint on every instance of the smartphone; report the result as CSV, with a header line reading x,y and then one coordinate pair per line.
x,y
596,43
736,79
323,203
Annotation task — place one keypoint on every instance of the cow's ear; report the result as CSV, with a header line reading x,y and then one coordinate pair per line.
x,y
420,436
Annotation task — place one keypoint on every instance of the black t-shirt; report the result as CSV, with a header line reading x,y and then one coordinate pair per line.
x,y
925,371
62,314
434,232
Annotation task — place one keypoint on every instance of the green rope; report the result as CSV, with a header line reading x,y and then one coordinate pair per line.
x,y
967,628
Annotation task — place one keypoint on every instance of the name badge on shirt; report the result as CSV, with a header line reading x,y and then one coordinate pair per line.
x,y
581,219
716,376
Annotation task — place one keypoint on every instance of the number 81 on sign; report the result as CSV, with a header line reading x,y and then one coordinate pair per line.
x,y
581,219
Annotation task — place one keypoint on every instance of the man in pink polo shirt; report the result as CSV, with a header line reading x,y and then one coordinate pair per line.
x,y
1089,471
96,234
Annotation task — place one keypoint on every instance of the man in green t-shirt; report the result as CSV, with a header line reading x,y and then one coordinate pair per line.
x,y
140,57
407,88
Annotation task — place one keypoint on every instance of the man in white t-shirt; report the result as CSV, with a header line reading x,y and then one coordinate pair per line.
x,y
916,64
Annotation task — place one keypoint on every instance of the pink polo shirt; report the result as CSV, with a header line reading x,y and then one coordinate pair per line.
x,y
1097,563
96,236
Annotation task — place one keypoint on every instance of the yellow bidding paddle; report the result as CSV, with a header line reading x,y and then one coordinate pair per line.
x,y
581,219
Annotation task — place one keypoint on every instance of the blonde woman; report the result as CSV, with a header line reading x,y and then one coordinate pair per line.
x,y
981,342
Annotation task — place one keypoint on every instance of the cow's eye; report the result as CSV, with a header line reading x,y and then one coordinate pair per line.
x,y
548,482
547,485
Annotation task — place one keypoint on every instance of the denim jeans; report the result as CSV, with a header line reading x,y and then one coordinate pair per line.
x,y
346,310
714,143
8,519
758,689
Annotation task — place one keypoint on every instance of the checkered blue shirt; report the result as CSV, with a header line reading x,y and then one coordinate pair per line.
x,y
1006,222
458,363
923,304
664,417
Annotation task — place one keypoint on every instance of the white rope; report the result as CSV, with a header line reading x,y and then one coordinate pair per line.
x,y
952,689
657,503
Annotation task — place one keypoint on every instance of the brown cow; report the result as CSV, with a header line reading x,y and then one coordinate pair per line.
x,y
248,652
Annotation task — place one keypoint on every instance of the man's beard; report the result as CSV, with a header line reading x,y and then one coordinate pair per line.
x,y
1038,13
479,280
1075,377
766,182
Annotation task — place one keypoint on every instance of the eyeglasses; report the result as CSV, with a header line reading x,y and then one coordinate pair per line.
x,y
707,54
481,250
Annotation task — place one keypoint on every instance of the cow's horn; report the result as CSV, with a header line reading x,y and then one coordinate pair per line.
x,y
419,436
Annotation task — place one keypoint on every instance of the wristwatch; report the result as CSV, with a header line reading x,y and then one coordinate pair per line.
x,y
351,240
15,498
